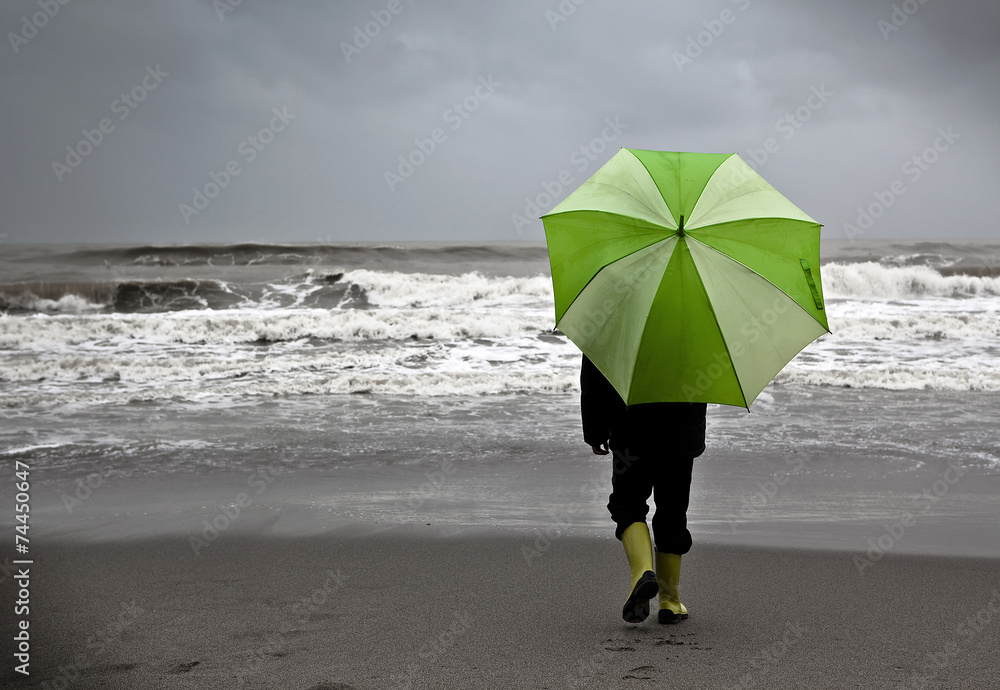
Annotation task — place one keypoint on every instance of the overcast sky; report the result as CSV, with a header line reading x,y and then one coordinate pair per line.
x,y
840,105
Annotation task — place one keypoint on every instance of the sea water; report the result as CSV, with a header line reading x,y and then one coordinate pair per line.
x,y
426,383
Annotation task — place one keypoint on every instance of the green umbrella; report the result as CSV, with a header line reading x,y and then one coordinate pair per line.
x,y
685,277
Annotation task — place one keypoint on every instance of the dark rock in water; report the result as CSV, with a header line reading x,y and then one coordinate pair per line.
x,y
355,298
332,277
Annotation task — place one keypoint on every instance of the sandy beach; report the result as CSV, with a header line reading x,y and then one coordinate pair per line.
x,y
415,607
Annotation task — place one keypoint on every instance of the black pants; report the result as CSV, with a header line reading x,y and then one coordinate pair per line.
x,y
669,480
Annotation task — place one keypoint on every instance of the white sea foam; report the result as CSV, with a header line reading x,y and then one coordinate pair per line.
x,y
899,324
870,280
866,281
241,326
465,290
66,304
440,375
387,382
23,450
467,334
849,321
470,290
978,376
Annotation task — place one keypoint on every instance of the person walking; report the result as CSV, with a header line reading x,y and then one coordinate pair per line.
x,y
653,446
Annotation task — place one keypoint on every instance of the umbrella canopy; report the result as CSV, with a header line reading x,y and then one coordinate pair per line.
x,y
685,277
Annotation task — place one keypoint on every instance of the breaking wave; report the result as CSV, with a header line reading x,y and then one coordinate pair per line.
x,y
364,288
262,326
870,280
325,290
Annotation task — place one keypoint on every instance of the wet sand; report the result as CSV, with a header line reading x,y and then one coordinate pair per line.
x,y
414,606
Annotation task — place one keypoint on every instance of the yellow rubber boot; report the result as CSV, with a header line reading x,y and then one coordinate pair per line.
x,y
639,550
668,574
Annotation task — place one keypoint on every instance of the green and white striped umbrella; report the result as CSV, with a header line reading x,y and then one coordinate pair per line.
x,y
685,277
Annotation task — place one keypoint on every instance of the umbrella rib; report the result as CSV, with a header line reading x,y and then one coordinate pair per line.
x,y
790,299
766,251
739,220
650,176
652,226
649,309
738,196
598,271
654,232
715,317
623,191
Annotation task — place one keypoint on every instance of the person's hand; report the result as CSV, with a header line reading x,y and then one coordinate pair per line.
x,y
601,449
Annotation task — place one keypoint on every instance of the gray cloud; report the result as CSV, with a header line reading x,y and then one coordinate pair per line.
x,y
324,174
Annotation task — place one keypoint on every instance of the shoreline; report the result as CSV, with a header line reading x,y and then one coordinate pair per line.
x,y
776,497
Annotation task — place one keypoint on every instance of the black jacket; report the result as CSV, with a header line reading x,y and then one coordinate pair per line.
x,y
652,428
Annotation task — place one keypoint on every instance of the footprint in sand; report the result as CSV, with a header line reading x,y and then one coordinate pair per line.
x,y
109,668
612,646
640,673
184,668
690,644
